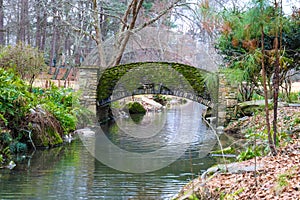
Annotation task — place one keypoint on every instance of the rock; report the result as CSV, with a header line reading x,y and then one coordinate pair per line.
x,y
11,165
86,132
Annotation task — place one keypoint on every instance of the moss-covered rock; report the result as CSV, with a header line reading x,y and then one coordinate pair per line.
x,y
45,129
135,108
48,138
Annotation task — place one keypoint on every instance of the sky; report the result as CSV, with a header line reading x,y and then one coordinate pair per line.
x,y
183,24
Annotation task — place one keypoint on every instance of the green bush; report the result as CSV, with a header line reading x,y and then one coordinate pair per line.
x,y
26,61
297,120
64,104
135,108
14,98
248,154
46,113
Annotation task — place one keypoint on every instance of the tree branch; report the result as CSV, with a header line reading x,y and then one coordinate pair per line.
x,y
162,13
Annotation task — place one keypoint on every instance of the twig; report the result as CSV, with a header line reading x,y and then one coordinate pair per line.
x,y
255,162
219,142
29,135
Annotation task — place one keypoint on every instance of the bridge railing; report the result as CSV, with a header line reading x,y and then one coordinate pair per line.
x,y
207,101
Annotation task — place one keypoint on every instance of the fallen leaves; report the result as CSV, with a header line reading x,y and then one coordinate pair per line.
x,y
276,177
279,179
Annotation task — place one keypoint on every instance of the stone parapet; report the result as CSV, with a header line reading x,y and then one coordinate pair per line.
x,y
88,79
227,100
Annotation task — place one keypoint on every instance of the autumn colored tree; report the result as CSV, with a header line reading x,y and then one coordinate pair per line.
x,y
256,47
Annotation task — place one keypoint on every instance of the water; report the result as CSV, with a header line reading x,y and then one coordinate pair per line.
x,y
71,172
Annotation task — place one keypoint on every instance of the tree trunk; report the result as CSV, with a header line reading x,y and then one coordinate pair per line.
x,y
133,8
2,41
276,79
23,21
53,50
98,38
271,144
38,37
44,31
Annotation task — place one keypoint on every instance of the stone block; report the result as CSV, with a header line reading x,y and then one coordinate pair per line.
x,y
222,114
231,102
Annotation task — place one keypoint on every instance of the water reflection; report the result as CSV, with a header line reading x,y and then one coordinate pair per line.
x,y
138,148
71,172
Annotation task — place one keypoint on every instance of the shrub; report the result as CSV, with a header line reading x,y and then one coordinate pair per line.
x,y
64,104
26,61
45,114
14,98
248,154
135,108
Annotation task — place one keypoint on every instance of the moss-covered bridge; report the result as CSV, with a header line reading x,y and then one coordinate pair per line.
x,y
154,78
176,79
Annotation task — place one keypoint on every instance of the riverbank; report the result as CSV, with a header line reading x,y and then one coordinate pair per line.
x,y
267,177
33,117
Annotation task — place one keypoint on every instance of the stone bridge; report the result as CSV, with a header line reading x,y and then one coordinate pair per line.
x,y
157,61
155,78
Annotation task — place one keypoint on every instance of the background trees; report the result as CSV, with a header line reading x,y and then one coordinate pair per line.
x,y
240,44
70,29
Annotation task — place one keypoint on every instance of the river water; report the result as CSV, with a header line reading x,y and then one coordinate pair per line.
x,y
72,172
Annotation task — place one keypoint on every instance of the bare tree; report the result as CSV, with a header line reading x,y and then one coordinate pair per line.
x,y
38,34
2,41
23,22
129,21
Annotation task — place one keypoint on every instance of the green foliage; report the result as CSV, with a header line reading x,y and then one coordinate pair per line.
x,y
227,150
297,120
64,104
5,154
240,42
23,112
232,196
193,197
5,140
256,96
234,76
282,180
135,108
116,105
248,154
14,97
147,5
293,97
18,147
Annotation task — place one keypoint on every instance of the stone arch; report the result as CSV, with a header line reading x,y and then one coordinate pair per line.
x,y
154,78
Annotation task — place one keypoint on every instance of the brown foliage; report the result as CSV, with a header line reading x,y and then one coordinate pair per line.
x,y
250,45
235,42
226,28
279,179
44,127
